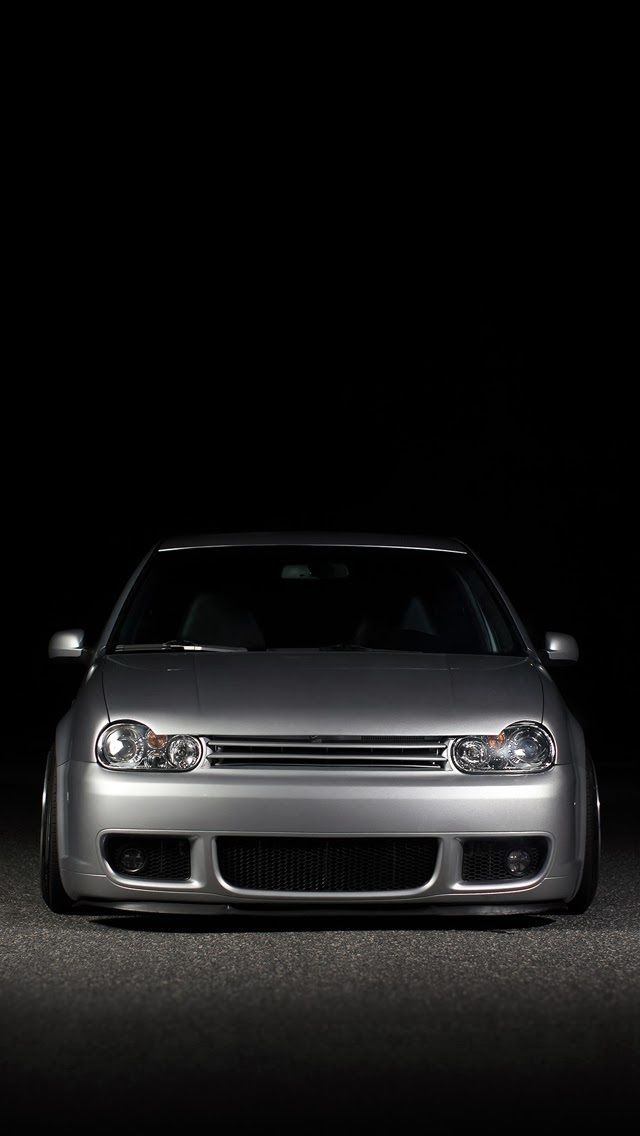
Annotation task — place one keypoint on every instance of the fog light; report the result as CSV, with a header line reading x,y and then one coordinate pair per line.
x,y
518,861
132,861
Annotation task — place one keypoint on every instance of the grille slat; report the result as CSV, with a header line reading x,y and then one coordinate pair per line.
x,y
326,864
427,753
326,763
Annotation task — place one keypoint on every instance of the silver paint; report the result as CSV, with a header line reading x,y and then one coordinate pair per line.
x,y
327,694
67,644
561,648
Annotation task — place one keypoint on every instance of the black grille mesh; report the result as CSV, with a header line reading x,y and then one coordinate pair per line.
x,y
168,857
486,860
328,864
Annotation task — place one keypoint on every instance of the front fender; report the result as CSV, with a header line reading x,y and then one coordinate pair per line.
x,y
77,732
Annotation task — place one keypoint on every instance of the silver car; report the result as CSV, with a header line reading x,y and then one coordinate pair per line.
x,y
314,723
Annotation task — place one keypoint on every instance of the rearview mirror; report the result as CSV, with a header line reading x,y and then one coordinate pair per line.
x,y
561,648
67,645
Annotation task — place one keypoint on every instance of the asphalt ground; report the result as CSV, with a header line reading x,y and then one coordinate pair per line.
x,y
121,1022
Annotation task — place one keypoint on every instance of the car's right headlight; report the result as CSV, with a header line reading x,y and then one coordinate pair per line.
x,y
130,745
523,747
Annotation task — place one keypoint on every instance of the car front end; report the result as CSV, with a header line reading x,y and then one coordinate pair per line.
x,y
346,777
319,819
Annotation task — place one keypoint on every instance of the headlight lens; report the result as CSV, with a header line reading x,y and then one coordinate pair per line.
x,y
122,746
184,752
521,748
130,745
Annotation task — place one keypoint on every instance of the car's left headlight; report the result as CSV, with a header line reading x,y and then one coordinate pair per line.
x,y
132,745
523,747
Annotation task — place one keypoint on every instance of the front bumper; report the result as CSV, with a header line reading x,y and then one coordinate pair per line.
x,y
94,802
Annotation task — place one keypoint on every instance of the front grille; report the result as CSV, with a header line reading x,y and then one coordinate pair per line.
x,y
485,860
374,752
161,858
327,864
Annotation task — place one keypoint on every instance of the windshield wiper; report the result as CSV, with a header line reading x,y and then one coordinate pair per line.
x,y
177,645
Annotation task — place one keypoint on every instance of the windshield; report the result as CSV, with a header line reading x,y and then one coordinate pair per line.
x,y
311,598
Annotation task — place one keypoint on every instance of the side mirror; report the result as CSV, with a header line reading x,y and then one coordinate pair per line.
x,y
561,648
67,645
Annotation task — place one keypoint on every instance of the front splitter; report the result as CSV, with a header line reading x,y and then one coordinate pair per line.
x,y
295,910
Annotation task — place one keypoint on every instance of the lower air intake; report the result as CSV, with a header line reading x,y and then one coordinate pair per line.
x,y
149,857
327,864
485,861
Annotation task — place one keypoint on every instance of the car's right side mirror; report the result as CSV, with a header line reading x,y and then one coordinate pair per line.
x,y
67,645
560,648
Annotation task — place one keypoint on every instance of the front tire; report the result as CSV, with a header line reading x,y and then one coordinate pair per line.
x,y
591,867
51,885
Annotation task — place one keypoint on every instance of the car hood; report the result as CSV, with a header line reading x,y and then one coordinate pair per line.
x,y
320,694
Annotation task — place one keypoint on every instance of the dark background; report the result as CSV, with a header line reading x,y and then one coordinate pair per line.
x,y
453,421
385,292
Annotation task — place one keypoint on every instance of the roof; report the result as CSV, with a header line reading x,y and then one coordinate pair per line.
x,y
319,539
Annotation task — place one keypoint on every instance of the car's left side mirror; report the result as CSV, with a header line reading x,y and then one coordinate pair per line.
x,y
560,648
68,645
